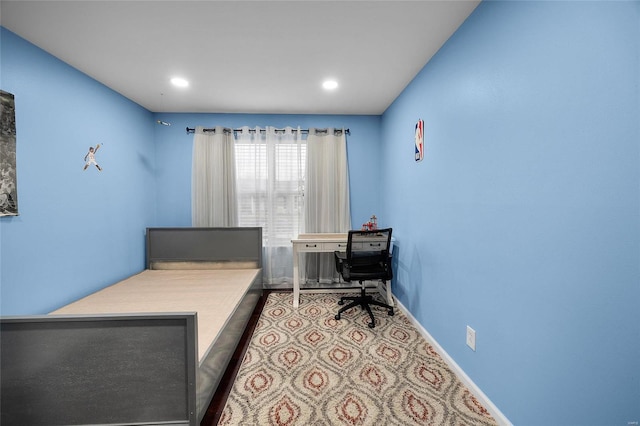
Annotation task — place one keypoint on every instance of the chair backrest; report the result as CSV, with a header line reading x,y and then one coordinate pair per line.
x,y
368,254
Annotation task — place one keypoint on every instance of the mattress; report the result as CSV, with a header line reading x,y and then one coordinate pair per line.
x,y
213,294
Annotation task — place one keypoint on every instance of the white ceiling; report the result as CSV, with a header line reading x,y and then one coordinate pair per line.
x,y
244,56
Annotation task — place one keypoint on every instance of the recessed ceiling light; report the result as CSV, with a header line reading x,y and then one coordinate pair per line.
x,y
179,82
330,85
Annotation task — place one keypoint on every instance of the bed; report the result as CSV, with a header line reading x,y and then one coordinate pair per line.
x,y
149,350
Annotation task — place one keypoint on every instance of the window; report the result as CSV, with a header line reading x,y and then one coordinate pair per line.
x,y
270,185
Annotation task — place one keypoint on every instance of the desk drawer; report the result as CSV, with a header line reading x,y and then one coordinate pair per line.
x,y
334,246
371,245
343,246
321,247
310,246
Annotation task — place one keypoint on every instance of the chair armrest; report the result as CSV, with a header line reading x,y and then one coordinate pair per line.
x,y
340,257
341,264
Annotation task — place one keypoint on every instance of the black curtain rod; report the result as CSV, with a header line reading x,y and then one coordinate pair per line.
x,y
227,130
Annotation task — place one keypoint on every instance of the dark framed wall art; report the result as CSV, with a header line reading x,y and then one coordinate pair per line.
x,y
8,184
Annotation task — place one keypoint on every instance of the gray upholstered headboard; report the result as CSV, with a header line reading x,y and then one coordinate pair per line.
x,y
204,245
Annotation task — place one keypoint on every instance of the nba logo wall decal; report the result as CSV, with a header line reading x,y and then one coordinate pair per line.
x,y
419,140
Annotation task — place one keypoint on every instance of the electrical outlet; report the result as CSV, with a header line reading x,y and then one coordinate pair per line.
x,y
471,338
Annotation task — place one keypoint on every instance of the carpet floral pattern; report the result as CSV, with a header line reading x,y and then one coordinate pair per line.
x,y
303,367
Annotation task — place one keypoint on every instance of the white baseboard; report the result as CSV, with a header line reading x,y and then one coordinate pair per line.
x,y
466,380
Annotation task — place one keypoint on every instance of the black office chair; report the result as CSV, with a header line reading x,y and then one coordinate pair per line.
x,y
368,257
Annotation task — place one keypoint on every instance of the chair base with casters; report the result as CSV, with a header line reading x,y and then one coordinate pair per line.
x,y
364,301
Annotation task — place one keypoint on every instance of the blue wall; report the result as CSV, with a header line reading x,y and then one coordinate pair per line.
x,y
174,156
77,230
523,219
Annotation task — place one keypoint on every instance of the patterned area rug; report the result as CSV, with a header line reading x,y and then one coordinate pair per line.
x,y
303,367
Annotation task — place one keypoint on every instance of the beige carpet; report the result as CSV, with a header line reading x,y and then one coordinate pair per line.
x,y
303,367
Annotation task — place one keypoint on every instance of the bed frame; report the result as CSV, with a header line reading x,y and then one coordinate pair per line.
x,y
133,369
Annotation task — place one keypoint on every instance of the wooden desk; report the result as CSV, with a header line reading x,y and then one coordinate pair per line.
x,y
328,243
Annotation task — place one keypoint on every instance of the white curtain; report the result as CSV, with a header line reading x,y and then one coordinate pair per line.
x,y
270,170
213,179
327,207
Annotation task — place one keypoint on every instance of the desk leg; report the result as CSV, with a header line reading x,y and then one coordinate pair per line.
x,y
296,278
385,292
389,295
